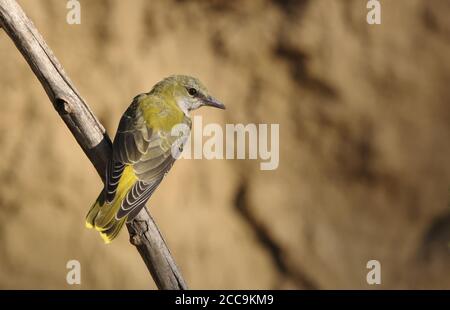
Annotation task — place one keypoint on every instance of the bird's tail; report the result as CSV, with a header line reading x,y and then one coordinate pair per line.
x,y
102,215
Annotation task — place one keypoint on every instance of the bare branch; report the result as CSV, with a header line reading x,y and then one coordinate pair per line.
x,y
89,133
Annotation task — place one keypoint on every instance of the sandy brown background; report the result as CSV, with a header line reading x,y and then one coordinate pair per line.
x,y
364,116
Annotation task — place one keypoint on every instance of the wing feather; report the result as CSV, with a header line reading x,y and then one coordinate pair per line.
x,y
136,199
126,147
113,173
149,152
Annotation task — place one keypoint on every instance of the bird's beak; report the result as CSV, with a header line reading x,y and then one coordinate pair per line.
x,y
213,102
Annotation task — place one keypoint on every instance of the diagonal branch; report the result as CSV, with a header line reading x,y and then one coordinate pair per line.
x,y
89,133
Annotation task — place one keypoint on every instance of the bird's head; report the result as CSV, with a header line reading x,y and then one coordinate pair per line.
x,y
189,93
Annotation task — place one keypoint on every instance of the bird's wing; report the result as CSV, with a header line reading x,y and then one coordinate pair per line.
x,y
129,144
113,174
150,170
133,135
148,148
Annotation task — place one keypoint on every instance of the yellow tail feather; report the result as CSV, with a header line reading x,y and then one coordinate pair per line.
x,y
102,216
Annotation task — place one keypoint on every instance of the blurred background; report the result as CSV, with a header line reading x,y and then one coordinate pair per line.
x,y
364,114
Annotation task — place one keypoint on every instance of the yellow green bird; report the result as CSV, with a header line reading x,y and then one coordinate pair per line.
x,y
142,150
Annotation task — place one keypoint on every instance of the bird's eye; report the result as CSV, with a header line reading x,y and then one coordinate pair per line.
x,y
192,91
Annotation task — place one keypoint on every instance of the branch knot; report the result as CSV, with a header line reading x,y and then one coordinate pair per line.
x,y
62,106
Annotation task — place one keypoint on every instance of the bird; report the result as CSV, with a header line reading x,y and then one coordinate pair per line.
x,y
142,150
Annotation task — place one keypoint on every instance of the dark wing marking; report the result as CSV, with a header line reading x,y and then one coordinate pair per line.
x,y
133,135
150,173
158,159
130,143
113,174
136,198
